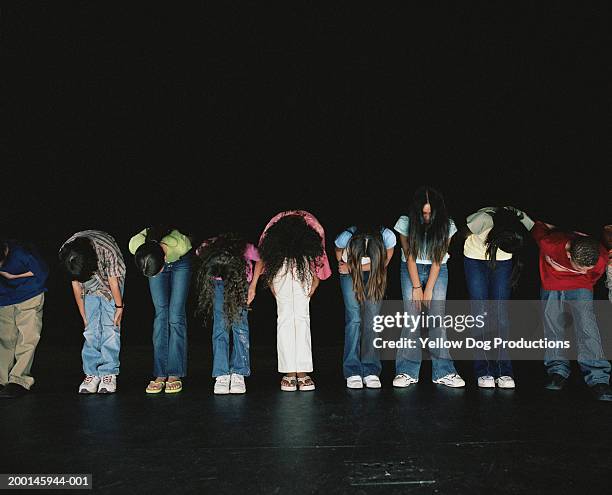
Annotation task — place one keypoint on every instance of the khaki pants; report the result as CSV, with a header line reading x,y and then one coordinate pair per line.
x,y
20,326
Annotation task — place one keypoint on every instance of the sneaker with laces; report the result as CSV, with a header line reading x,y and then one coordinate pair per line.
x,y
452,380
237,385
403,380
556,382
354,381
371,381
222,385
505,382
601,391
486,381
89,385
108,384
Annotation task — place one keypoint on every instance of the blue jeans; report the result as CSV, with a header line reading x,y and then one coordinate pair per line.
x,y
169,294
594,367
408,361
360,356
485,285
102,344
240,363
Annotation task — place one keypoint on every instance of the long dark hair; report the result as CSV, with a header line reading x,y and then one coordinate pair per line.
x,y
507,234
368,242
428,240
150,256
223,257
291,243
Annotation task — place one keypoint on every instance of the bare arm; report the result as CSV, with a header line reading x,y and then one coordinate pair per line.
x,y
314,285
77,290
11,276
259,266
118,298
389,256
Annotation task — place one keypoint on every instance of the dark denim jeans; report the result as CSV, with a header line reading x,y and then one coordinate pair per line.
x,y
595,368
408,361
239,362
489,290
360,356
169,291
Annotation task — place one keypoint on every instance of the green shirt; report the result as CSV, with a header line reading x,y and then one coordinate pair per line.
x,y
176,243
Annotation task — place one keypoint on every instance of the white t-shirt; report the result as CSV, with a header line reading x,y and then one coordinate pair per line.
x,y
403,227
480,224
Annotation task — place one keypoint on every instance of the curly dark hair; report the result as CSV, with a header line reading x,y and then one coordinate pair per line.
x,y
291,242
222,257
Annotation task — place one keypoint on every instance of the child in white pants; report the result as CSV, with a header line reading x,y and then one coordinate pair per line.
x,y
292,249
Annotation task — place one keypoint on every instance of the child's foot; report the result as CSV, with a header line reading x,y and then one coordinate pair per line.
x,y
452,380
156,386
108,384
305,383
89,385
505,382
486,381
354,381
222,385
174,386
237,385
372,381
288,384
403,380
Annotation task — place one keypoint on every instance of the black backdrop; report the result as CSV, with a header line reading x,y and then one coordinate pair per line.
x,y
218,117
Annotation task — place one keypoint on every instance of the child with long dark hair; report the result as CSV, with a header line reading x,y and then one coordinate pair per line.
x,y
224,275
163,254
293,261
363,253
425,234
492,263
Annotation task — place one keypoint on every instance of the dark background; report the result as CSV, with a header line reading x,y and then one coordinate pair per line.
x,y
218,117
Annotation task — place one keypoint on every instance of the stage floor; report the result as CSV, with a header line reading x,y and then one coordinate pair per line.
x,y
423,439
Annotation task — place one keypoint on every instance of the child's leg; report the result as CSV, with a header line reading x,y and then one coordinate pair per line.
x,y
8,341
220,334
91,354
160,295
180,277
240,352
351,365
28,318
110,338
301,310
286,324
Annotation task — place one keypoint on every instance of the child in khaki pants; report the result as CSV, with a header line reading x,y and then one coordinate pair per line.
x,y
22,286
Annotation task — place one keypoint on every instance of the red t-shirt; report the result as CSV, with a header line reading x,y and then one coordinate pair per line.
x,y
556,271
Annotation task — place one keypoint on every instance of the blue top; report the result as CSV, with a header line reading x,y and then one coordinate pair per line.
x,y
20,260
403,227
343,239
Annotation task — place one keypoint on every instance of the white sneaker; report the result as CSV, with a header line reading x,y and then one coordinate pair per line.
x,y
89,385
222,384
505,382
486,381
354,381
371,381
451,380
237,385
403,380
108,384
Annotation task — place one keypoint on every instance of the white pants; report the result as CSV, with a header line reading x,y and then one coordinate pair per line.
x,y
293,323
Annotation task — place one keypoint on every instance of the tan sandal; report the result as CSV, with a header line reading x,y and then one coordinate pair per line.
x,y
155,387
174,387
288,384
305,383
